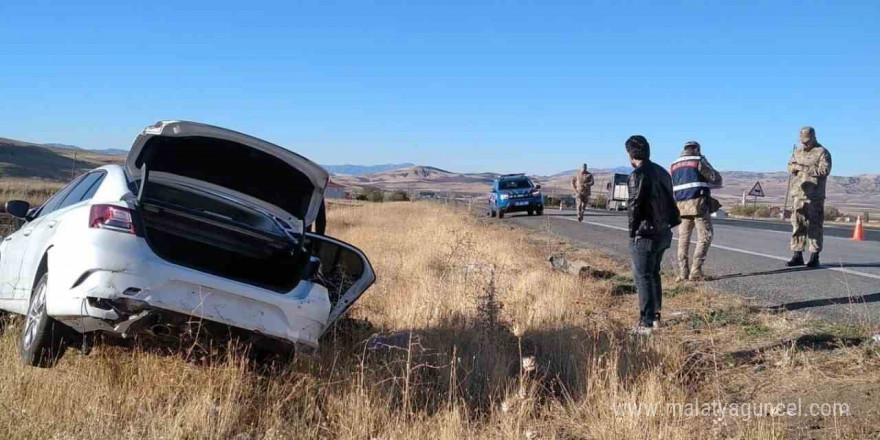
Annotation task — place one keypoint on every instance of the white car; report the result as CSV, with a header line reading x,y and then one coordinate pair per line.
x,y
201,222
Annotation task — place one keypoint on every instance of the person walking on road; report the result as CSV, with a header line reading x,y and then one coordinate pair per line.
x,y
692,178
810,166
581,183
652,215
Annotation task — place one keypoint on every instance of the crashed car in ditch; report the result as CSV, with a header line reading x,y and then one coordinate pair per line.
x,y
199,223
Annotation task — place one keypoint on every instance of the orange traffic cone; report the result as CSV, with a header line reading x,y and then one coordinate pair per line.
x,y
859,232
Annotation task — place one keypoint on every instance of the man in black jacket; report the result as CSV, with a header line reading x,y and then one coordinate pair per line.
x,y
652,215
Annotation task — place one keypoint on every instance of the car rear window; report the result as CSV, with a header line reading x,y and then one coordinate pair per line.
x,y
83,189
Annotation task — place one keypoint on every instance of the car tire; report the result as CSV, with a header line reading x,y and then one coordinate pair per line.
x,y
531,212
540,211
500,214
41,335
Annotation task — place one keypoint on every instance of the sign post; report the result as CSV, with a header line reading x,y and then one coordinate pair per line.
x,y
788,187
756,191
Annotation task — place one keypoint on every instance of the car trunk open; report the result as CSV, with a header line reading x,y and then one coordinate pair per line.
x,y
228,239
231,205
279,180
224,202
212,235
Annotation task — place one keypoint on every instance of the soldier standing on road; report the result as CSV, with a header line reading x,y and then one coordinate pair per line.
x,y
692,177
581,183
810,166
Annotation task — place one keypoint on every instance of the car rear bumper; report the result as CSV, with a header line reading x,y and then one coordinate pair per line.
x,y
85,295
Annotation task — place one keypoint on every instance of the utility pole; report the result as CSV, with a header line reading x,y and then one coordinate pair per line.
x,y
787,187
73,166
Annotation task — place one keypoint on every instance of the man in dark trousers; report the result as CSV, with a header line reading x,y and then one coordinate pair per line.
x,y
652,215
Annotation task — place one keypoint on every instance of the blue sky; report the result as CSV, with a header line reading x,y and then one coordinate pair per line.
x,y
463,85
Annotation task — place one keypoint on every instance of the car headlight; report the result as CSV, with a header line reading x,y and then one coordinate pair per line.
x,y
504,196
536,193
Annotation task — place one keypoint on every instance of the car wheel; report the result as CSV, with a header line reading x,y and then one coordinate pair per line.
x,y
40,338
531,212
500,214
540,211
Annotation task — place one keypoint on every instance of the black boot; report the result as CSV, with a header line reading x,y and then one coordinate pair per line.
x,y
814,260
796,260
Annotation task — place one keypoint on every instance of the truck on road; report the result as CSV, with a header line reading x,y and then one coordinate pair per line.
x,y
618,192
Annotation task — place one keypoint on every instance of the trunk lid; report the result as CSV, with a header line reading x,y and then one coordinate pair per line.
x,y
234,164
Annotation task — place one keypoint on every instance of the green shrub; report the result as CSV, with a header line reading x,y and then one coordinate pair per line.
x,y
398,196
372,195
760,211
831,213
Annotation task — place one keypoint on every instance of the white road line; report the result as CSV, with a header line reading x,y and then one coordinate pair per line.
x,y
827,237
742,251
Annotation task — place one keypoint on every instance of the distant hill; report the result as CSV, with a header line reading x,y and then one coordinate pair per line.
x,y
108,151
56,162
851,194
27,159
360,170
63,146
421,178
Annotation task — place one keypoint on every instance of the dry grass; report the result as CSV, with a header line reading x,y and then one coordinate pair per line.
x,y
35,191
465,301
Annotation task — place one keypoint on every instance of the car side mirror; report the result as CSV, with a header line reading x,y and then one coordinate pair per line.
x,y
18,209
537,186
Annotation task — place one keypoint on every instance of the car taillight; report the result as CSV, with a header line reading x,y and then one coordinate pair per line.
x,y
111,217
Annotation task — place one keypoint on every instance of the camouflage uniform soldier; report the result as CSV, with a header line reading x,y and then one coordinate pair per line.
x,y
581,183
810,166
692,177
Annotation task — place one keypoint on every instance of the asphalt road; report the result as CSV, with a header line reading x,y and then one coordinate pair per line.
x,y
748,258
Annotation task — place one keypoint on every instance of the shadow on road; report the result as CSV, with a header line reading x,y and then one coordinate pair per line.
x,y
856,299
763,272
848,265
785,270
